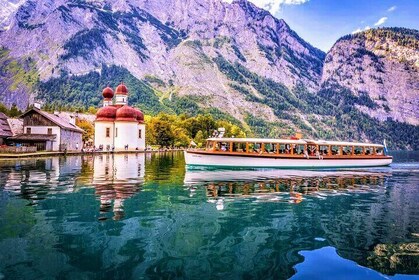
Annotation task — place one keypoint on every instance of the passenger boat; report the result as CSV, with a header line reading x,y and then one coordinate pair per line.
x,y
286,153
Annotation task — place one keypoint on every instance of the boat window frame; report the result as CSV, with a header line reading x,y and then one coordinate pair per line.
x,y
321,150
295,150
379,151
358,147
370,149
351,149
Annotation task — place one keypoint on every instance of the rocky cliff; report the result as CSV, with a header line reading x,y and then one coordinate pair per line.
x,y
382,64
147,38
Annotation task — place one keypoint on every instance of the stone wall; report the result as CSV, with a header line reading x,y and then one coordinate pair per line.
x,y
70,140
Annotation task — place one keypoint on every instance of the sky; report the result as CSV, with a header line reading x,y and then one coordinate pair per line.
x,y
322,22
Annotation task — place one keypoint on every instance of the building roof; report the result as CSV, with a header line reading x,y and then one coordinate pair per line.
x,y
5,130
121,89
16,126
34,137
64,124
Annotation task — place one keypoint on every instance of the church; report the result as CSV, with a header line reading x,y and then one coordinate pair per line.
x,y
119,127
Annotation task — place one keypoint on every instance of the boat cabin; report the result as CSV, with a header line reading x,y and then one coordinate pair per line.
x,y
292,148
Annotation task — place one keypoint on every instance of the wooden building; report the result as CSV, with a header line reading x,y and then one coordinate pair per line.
x,y
5,130
48,132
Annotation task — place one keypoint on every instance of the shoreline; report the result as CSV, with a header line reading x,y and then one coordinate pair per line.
x,y
78,153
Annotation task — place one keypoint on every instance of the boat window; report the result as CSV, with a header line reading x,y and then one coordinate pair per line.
x,y
284,148
369,150
281,148
347,150
312,149
255,148
324,150
358,150
211,145
335,150
225,147
270,148
298,149
379,151
239,147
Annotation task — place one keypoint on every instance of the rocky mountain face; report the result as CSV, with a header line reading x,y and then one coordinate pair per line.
x,y
8,9
233,60
382,64
148,38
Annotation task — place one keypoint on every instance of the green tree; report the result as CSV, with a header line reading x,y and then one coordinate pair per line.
x,y
199,139
163,133
14,111
89,130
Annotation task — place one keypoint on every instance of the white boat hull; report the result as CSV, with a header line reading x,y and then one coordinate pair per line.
x,y
220,160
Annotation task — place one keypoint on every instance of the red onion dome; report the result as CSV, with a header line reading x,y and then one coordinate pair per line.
x,y
107,93
140,115
107,113
126,113
121,89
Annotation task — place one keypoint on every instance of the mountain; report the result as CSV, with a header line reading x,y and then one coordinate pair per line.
x,y
381,64
8,10
234,61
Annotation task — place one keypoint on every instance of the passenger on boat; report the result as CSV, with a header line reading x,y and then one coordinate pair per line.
x,y
318,155
312,150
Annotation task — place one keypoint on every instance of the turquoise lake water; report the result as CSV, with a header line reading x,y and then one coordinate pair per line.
x,y
147,217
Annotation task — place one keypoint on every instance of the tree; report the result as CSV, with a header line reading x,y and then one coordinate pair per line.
x,y
181,137
92,110
14,111
88,129
199,139
163,133
3,109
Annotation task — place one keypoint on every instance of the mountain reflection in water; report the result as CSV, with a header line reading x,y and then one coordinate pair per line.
x,y
145,216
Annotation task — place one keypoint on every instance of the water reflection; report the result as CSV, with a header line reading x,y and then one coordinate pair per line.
x,y
160,224
114,179
35,179
291,186
117,178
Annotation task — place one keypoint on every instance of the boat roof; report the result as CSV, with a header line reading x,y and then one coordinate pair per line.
x,y
291,141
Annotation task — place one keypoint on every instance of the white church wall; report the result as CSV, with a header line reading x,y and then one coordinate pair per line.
x,y
101,137
126,135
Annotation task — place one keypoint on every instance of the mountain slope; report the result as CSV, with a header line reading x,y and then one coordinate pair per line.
x,y
234,61
382,64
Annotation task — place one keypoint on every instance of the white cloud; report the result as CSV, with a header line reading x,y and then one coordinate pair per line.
x,y
357,31
360,30
273,5
391,8
381,21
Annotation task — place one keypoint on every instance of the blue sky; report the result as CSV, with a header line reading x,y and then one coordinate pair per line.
x,y
322,22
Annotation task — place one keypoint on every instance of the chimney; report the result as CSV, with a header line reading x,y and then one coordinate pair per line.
x,y
73,119
37,105
57,113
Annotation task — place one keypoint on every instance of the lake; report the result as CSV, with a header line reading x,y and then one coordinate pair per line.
x,y
147,217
